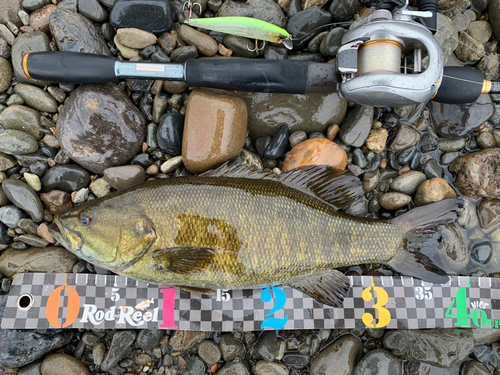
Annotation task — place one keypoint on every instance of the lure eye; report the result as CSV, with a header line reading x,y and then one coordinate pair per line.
x,y
85,219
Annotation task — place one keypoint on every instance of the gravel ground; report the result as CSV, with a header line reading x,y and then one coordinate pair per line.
x,y
62,144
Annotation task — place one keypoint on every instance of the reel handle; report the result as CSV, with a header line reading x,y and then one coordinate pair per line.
x,y
431,6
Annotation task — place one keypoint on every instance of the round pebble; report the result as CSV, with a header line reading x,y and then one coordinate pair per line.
x,y
316,151
63,364
209,352
394,200
433,190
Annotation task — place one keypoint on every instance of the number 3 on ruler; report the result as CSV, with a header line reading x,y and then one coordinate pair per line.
x,y
384,315
280,300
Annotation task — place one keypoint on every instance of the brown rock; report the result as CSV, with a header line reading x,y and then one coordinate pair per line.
x,y
205,44
477,174
316,151
134,38
43,231
225,51
63,364
214,129
468,48
174,87
404,137
39,19
433,190
124,176
488,213
56,201
376,140
167,42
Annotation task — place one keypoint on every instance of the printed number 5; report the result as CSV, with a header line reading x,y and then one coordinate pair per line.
x,y
384,315
421,293
280,300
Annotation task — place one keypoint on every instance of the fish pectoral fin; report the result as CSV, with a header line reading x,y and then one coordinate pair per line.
x,y
329,288
196,290
187,259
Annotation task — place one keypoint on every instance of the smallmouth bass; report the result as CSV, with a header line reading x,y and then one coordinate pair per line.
x,y
236,229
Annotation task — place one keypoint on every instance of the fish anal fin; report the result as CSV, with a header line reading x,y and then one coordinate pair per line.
x,y
196,290
187,259
329,288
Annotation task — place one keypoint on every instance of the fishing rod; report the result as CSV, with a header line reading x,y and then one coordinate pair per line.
x,y
367,70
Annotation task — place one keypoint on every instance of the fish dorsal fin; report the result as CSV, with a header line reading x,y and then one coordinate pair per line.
x,y
331,185
330,287
189,259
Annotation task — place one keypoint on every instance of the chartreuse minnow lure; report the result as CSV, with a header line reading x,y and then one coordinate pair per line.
x,y
246,27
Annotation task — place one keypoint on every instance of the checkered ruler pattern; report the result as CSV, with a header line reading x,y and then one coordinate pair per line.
x,y
45,300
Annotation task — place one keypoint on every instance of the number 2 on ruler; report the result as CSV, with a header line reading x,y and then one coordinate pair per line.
x,y
280,300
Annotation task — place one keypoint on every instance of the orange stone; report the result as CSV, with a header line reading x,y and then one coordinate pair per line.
x,y
316,151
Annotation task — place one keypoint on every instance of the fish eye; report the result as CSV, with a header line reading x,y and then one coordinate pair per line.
x,y
85,219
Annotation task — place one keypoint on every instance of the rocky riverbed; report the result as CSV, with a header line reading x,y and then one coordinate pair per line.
x,y
62,144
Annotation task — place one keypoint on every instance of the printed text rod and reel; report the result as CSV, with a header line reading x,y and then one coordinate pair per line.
x,y
368,68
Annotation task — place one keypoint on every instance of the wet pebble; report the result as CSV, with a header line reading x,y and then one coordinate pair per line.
x,y
6,162
356,125
56,201
184,53
186,340
296,360
488,213
170,132
171,164
156,15
405,156
332,42
408,183
214,129
98,353
100,187
17,142
124,176
68,178
234,368
305,24
10,215
206,45
394,200
209,352
279,142
269,368
268,346
24,197
148,339
482,252
404,136
120,346
447,158
230,347
36,98
316,151
433,190
341,357
485,140
20,117
377,139
428,143
432,169
452,144
379,361
438,347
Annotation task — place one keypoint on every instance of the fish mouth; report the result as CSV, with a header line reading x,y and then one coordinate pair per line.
x,y
69,238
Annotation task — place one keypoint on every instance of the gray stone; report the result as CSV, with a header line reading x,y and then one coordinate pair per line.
x,y
6,162
404,136
474,368
93,10
4,49
494,16
196,366
5,74
468,49
34,41
32,240
265,10
234,368
268,346
452,144
35,4
340,357
447,37
24,197
149,338
98,353
186,340
485,336
17,142
124,176
460,21
451,248
356,125
67,178
20,117
121,345
99,127
9,11
230,347
209,352
241,46
21,347
36,98
75,33
394,200
10,215
438,347
379,361
31,369
310,112
489,66
269,368
408,183
6,34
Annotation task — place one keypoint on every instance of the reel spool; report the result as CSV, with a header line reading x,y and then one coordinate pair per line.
x,y
379,55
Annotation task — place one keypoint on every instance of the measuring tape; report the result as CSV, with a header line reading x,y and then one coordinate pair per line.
x,y
58,300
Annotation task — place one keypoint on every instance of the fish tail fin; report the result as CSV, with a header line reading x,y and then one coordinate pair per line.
x,y
413,258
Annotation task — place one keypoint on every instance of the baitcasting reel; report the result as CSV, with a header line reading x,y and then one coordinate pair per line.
x,y
373,60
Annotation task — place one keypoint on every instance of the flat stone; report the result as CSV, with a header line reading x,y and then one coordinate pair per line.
x,y
35,41
268,346
124,176
316,151
34,4
171,164
474,368
305,24
205,44
150,15
93,10
24,197
135,38
92,145
20,117
408,183
340,357
5,74
148,339
356,126
20,347
187,340
379,361
230,347
438,347
128,53
309,112
167,42
476,174
68,178
49,259
488,213
454,120
100,187
214,129
36,98
63,364
403,137
394,200
75,33
234,368
121,344
209,352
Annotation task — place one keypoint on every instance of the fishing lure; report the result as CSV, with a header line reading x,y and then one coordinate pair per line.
x,y
246,27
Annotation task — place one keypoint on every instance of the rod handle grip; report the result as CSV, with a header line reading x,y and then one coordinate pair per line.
x,y
460,85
